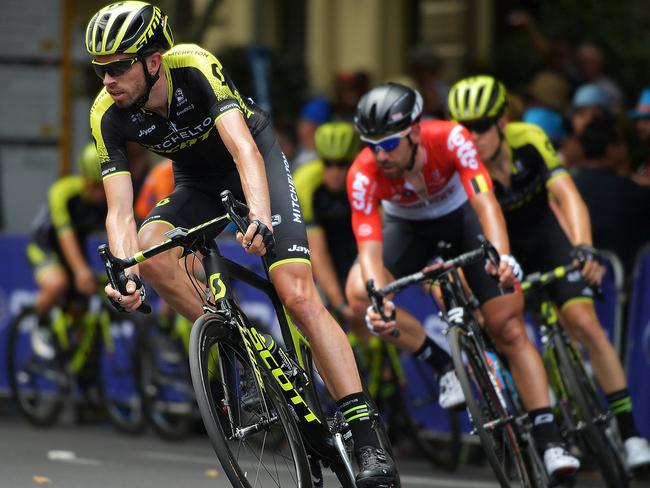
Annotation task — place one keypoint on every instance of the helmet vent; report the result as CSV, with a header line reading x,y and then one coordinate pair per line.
x,y
134,28
118,23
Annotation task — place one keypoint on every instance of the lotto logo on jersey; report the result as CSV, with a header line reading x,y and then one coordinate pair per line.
x,y
465,149
359,193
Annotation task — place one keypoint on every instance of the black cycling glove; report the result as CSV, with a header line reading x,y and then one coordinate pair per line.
x,y
267,236
585,252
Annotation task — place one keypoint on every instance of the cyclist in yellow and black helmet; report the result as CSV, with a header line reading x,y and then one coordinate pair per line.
x,y
526,173
75,208
179,102
481,100
134,28
325,207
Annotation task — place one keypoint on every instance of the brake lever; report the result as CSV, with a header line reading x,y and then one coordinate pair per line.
x,y
236,210
118,279
377,301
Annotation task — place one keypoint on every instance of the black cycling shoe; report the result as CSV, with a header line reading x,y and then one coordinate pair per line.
x,y
251,400
376,468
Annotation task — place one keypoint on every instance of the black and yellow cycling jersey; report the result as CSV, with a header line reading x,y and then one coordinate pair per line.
x,y
66,209
328,212
199,93
536,237
534,164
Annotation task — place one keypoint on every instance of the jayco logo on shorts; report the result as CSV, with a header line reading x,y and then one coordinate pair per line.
x,y
465,149
300,249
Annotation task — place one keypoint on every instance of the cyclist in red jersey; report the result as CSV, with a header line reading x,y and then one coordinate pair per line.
x,y
432,186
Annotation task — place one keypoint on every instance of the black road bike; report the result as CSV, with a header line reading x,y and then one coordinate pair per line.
x,y
586,423
257,400
493,403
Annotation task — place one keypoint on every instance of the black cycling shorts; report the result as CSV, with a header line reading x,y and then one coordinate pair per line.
x,y
409,245
191,203
543,247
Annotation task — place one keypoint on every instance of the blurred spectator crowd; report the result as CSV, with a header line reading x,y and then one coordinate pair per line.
x,y
601,135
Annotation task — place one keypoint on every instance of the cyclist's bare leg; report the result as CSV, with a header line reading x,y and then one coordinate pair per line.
x,y
332,352
53,284
412,333
166,273
580,321
505,325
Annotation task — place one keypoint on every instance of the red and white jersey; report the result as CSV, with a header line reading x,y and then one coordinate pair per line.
x,y
452,172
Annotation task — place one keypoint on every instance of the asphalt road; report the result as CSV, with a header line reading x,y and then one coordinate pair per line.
x,y
89,456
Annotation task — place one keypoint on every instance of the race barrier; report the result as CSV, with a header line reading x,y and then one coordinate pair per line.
x,y
638,342
17,289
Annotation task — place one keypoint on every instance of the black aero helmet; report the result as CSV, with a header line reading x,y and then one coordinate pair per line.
x,y
387,109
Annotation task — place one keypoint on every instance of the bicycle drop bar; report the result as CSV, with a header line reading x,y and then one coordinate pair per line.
x,y
117,278
235,211
537,281
436,270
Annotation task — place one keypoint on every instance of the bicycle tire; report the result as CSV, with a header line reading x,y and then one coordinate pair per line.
x,y
220,413
118,372
164,380
443,452
580,388
484,406
42,401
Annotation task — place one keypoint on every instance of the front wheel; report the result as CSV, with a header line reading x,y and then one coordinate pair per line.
x,y
492,421
250,428
593,421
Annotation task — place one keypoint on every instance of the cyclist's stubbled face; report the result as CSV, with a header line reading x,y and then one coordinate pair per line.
x,y
487,142
394,163
127,88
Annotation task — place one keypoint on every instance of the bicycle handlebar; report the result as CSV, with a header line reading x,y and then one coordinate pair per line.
x,y
537,281
235,211
431,272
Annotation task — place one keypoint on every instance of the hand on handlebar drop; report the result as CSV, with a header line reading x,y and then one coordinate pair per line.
x,y
128,302
376,325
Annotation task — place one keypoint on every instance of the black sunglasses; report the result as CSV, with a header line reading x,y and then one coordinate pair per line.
x,y
114,68
479,126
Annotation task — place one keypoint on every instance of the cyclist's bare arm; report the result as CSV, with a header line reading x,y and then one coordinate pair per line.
x,y
573,209
121,230
372,267
84,278
576,216
238,140
493,223
324,268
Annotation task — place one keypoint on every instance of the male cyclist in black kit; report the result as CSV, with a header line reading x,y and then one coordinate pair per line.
x,y
179,102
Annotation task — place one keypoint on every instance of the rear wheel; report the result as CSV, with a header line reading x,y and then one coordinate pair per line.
x,y
494,425
593,423
38,382
243,421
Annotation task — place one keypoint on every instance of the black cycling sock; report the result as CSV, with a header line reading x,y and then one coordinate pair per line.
x,y
435,356
356,411
620,404
544,429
